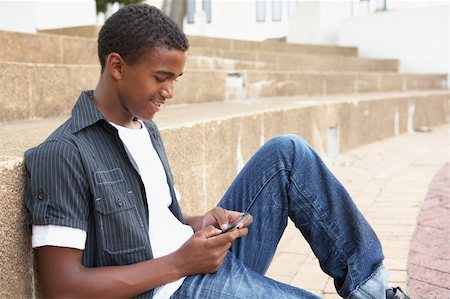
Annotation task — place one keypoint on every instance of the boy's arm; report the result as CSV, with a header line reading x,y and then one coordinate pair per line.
x,y
63,275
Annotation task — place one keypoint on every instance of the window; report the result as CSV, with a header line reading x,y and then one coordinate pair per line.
x,y
206,5
276,10
191,11
260,10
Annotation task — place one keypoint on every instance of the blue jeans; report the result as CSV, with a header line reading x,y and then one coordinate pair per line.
x,y
286,178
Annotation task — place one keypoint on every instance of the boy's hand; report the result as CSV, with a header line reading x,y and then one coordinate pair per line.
x,y
205,251
221,218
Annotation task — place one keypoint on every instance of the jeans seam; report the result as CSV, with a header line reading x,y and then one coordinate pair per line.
x,y
309,198
263,186
328,230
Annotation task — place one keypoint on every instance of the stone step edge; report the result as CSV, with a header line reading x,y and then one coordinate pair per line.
x,y
196,39
165,119
64,48
257,56
259,53
198,58
237,41
190,115
61,65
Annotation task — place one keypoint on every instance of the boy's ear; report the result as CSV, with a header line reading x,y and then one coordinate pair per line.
x,y
114,64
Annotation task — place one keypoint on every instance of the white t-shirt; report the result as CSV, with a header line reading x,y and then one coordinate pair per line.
x,y
166,232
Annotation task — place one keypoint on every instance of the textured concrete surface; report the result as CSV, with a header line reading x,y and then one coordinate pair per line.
x,y
16,270
51,48
46,48
209,42
300,61
83,31
214,139
198,41
398,112
429,263
29,91
389,180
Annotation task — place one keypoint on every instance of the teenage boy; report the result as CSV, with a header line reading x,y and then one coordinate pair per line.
x,y
104,212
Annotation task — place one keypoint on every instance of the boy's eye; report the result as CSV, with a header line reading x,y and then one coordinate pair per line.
x,y
163,79
160,80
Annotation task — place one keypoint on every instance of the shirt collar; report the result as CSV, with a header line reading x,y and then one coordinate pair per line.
x,y
85,113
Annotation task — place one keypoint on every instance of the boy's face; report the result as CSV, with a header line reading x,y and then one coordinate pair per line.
x,y
145,86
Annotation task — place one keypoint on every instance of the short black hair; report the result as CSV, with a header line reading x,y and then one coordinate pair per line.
x,y
135,29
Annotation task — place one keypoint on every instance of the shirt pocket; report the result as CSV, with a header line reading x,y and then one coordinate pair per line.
x,y
121,228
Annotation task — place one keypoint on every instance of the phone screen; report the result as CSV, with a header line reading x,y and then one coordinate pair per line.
x,y
236,224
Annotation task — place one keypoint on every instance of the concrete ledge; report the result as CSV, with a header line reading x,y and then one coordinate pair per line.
x,y
273,46
47,48
29,91
54,49
90,31
211,42
16,257
207,144
300,61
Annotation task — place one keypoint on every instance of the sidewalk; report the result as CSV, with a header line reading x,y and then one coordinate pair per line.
x,y
389,181
429,255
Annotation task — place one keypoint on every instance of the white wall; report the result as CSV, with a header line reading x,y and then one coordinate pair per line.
x,y
28,16
236,19
315,22
419,37
17,16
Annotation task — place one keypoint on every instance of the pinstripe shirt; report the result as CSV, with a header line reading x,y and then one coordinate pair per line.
x,y
82,177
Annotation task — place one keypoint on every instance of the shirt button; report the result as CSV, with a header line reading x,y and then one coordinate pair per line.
x,y
119,202
41,195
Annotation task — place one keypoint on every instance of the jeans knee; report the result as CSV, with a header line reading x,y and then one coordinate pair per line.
x,y
288,143
289,140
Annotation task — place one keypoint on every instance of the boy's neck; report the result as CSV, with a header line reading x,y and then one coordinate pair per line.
x,y
108,104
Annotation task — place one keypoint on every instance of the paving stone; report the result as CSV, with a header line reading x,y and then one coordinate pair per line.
x,y
288,264
429,263
331,296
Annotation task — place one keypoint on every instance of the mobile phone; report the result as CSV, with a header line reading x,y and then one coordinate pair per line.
x,y
235,225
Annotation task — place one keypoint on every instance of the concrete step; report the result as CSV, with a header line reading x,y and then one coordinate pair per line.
x,y
199,57
222,43
228,64
272,46
30,91
46,48
208,144
360,119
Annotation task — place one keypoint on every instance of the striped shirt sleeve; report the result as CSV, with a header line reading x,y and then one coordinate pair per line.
x,y
57,190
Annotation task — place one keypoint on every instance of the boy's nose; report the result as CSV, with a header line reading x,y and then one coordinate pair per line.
x,y
167,91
